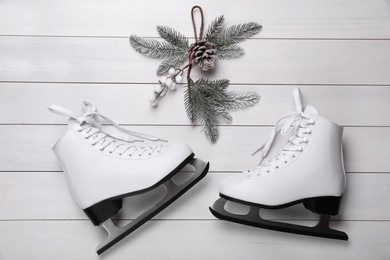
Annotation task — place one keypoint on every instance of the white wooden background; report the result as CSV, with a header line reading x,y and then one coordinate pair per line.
x,y
337,51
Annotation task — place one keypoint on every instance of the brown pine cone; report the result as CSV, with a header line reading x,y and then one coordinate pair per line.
x,y
203,55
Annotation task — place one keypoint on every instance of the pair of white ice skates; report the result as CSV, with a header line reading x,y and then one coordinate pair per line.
x,y
104,166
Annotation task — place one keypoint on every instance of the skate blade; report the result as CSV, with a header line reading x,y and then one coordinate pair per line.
x,y
173,192
253,219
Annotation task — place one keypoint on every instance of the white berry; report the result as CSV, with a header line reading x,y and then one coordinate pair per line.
x,y
179,78
157,88
172,86
163,79
152,98
168,82
171,71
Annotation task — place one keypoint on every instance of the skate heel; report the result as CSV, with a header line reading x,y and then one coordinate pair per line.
x,y
329,205
101,211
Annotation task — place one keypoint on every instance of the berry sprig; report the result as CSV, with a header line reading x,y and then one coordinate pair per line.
x,y
166,83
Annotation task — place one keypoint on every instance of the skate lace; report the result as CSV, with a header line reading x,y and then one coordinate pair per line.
x,y
295,126
91,125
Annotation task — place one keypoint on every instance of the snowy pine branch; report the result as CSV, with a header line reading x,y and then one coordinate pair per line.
x,y
229,52
237,33
209,102
154,49
170,62
241,100
173,37
214,29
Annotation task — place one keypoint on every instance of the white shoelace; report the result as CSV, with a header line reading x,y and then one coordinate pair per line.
x,y
295,126
91,127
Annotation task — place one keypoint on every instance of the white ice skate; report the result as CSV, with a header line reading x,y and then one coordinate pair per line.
x,y
308,170
102,167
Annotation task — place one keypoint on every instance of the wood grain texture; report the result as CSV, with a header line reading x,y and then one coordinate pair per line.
x,y
338,52
74,240
29,147
43,59
45,196
281,19
24,103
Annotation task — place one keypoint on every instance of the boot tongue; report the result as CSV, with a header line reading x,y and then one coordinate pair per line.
x,y
310,110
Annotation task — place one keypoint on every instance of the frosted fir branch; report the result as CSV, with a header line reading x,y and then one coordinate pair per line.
x,y
210,128
237,33
214,29
170,62
240,100
209,103
189,106
152,48
229,52
215,86
173,37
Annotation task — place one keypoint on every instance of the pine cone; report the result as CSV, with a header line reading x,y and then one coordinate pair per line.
x,y
203,55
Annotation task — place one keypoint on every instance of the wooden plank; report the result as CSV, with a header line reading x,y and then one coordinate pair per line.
x,y
281,19
42,59
73,240
347,105
44,195
29,147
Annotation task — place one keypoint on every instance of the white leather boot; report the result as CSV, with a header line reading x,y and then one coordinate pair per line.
x,y
103,166
308,170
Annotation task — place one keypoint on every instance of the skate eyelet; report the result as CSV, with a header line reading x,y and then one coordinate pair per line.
x,y
277,167
120,153
293,156
285,161
110,151
267,171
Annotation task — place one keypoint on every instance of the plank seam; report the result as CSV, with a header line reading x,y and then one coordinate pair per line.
x,y
230,84
155,37
184,220
210,172
181,125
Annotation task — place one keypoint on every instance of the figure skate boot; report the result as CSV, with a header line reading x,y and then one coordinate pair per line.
x,y
308,170
102,167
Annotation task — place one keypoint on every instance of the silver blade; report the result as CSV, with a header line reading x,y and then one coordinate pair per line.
x,y
173,192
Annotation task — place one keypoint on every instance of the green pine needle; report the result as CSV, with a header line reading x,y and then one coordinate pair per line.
x,y
173,37
209,103
237,33
240,100
214,29
170,62
154,49
229,52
